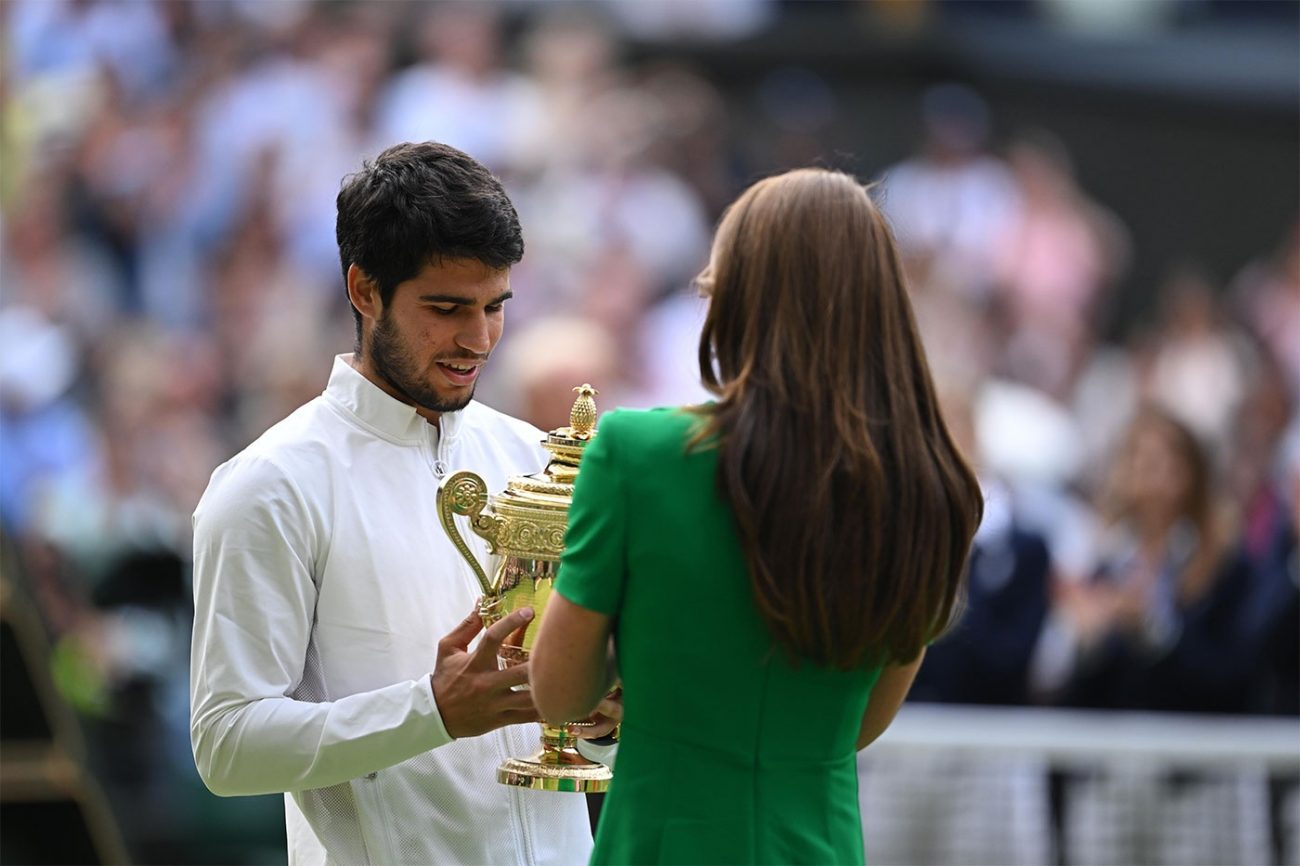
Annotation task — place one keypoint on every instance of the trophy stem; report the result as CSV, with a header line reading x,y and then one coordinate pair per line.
x,y
557,739
559,766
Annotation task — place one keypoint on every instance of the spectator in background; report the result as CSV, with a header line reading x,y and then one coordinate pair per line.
x,y
1059,256
1156,625
1263,483
70,39
694,143
666,337
571,57
1161,624
619,229
1266,295
44,433
458,91
545,359
51,264
952,202
1198,367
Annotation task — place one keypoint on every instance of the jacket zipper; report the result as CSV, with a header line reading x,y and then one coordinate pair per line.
x,y
376,837
440,455
518,808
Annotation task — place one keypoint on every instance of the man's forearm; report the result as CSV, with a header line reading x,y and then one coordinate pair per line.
x,y
273,745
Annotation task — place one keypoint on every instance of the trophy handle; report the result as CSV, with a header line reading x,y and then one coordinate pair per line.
x,y
465,493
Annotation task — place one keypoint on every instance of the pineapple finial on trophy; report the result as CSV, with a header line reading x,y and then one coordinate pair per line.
x,y
582,417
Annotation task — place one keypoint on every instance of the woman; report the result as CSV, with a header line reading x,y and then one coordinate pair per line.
x,y
771,565
1158,626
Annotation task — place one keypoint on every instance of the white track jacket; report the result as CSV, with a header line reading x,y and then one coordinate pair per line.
x,y
322,584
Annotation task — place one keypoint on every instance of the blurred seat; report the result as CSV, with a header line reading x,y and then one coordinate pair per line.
x,y
51,810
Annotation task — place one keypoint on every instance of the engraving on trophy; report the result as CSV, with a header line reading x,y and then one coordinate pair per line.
x,y
536,538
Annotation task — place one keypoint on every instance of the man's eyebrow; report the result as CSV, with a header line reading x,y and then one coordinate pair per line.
x,y
463,300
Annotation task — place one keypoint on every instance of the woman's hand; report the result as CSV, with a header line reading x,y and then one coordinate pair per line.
x,y
609,712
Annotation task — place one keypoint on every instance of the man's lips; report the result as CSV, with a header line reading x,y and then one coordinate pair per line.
x,y
460,372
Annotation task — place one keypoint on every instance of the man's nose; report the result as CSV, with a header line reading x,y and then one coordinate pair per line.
x,y
475,335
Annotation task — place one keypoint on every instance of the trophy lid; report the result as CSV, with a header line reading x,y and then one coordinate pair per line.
x,y
566,444
552,488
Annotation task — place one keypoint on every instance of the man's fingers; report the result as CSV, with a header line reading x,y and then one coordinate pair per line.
x,y
501,629
513,701
515,675
515,708
522,716
460,636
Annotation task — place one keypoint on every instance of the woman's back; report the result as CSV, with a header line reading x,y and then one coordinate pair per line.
x,y
730,752
830,522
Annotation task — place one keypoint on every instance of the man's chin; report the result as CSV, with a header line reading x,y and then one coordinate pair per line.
x,y
440,404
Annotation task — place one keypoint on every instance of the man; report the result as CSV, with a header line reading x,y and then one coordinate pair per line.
x,y
323,580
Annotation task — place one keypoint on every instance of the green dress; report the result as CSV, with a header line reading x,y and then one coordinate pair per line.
x,y
729,753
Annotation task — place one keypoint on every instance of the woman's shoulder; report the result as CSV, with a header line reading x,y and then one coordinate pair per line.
x,y
661,420
651,430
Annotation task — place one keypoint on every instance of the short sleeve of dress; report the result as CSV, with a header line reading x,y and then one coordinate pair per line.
x,y
594,564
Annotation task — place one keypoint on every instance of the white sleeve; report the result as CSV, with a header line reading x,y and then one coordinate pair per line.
x,y
606,755
255,544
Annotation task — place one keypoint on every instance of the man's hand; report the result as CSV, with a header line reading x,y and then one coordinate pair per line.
x,y
474,696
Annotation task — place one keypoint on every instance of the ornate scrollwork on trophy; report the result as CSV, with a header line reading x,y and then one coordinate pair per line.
x,y
538,540
468,493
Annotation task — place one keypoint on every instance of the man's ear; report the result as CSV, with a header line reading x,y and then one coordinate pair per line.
x,y
363,292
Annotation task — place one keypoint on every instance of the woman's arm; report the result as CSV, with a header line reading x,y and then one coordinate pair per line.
x,y
571,667
886,698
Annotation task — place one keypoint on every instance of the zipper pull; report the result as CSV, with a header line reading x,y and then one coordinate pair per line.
x,y
439,468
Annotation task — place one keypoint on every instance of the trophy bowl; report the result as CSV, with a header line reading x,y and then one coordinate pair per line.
x,y
525,526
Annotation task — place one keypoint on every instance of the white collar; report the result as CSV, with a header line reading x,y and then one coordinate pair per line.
x,y
380,412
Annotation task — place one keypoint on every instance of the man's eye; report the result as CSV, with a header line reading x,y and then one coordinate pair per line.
x,y
444,311
495,308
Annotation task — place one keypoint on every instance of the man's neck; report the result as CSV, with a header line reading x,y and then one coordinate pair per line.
x,y
362,365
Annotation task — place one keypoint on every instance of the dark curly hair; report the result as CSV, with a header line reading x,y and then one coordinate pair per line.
x,y
420,203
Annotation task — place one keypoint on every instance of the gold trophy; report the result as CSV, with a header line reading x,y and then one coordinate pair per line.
x,y
525,525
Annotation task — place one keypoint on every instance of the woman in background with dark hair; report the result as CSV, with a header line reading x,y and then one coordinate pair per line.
x,y
771,565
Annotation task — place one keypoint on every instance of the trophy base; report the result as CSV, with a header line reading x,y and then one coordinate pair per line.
x,y
564,770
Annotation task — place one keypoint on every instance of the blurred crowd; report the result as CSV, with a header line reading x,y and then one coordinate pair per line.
x,y
1139,546
170,287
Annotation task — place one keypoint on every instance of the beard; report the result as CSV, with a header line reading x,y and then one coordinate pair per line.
x,y
395,364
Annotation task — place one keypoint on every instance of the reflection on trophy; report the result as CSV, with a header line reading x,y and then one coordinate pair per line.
x,y
525,525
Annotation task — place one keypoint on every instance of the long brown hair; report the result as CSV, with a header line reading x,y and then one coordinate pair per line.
x,y
854,507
